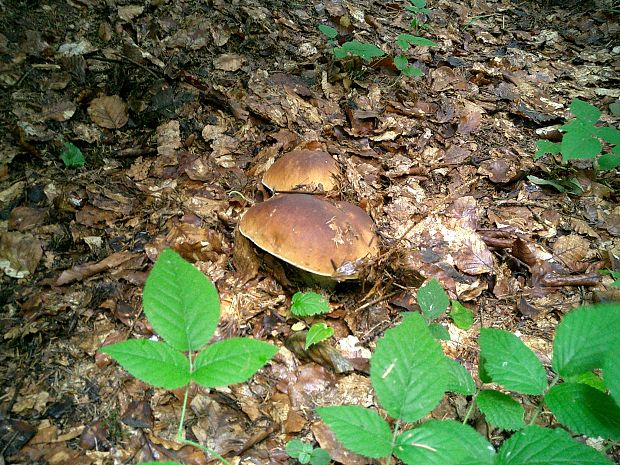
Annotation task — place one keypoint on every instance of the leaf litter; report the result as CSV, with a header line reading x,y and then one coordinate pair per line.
x,y
179,111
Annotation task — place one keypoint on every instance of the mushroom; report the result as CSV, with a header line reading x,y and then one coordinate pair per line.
x,y
302,170
312,234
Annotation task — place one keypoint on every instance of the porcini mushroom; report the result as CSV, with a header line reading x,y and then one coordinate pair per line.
x,y
311,233
302,170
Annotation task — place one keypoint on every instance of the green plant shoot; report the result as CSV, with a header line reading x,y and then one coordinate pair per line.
x,y
72,156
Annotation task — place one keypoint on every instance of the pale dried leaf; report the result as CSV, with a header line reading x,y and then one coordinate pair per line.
x,y
108,112
474,257
581,227
571,249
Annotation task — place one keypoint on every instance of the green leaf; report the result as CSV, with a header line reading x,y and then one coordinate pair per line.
x,y
408,370
588,378
418,3
545,146
404,41
155,363
330,32
608,134
611,372
614,108
318,332
308,304
510,362
609,161
412,71
579,143
231,361
462,316
360,49
320,457
72,156
445,442
501,410
299,450
359,429
534,445
439,331
432,299
584,337
459,379
585,410
547,182
401,62
180,302
584,111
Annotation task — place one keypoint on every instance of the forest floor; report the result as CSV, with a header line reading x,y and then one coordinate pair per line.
x,y
180,106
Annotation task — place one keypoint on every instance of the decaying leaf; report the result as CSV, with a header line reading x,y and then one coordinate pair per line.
x,y
108,112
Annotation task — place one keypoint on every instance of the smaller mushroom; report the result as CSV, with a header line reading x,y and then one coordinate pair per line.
x,y
312,234
303,171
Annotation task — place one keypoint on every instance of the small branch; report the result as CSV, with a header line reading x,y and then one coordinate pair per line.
x,y
539,408
470,409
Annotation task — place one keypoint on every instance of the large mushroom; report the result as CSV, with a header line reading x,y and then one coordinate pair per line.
x,y
302,171
320,237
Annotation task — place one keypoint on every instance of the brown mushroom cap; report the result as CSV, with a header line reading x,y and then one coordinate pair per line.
x,y
309,232
305,168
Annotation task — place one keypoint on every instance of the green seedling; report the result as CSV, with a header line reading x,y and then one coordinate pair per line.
x,y
305,453
460,315
309,304
183,307
410,375
614,274
72,156
318,332
418,10
582,138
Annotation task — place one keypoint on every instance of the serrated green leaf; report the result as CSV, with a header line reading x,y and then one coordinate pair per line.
x,y
608,134
319,457
299,450
584,111
585,410
583,338
445,442
412,71
432,299
588,378
309,304
401,62
155,363
328,31
501,410
462,316
180,302
439,331
418,3
359,429
460,380
609,161
579,143
510,362
361,49
611,372
408,370
545,146
72,156
534,445
231,361
404,41
318,332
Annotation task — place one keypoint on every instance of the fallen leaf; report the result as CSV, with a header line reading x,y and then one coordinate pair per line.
x,y
108,112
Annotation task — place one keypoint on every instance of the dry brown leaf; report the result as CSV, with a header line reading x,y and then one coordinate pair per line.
x,y
474,257
229,62
19,254
80,272
571,250
108,112
581,227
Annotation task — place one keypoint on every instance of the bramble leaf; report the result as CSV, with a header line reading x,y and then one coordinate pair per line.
x,y
319,457
439,331
153,362
545,146
408,370
535,445
510,362
608,134
609,161
611,372
299,450
460,380
359,429
583,338
501,410
180,302
579,142
585,410
432,300
404,41
462,316
445,442
584,111
359,49
318,332
231,361
401,62
328,31
308,304
72,156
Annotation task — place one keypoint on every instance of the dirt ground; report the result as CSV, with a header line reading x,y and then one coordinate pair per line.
x,y
180,106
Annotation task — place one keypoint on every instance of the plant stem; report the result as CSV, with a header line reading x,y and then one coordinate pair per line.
x,y
539,408
180,437
470,409
394,434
